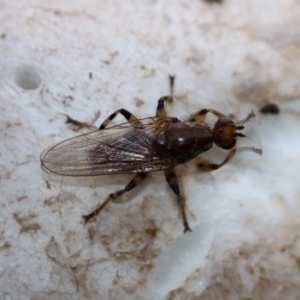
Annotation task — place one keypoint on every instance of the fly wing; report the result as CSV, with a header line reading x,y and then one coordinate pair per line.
x,y
125,148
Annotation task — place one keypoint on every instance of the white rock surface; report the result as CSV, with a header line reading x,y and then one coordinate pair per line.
x,y
233,57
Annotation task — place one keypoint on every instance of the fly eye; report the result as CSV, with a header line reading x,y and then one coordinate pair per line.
x,y
226,142
224,122
224,133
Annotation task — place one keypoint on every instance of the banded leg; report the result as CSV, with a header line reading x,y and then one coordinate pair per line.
x,y
125,113
173,183
206,165
200,116
79,125
131,185
160,111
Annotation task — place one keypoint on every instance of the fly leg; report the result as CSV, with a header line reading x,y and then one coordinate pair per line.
x,y
134,182
125,113
131,185
173,183
207,165
160,111
200,116
78,124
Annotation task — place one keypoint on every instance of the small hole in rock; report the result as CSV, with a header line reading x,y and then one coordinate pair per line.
x,y
28,77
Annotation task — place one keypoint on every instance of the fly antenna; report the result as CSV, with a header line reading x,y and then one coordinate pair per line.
x,y
252,149
249,117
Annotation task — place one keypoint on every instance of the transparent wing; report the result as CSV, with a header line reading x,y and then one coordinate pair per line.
x,y
125,148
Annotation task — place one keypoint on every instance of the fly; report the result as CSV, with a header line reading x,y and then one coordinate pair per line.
x,y
140,146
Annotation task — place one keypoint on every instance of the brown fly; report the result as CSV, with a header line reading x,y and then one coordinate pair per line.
x,y
140,146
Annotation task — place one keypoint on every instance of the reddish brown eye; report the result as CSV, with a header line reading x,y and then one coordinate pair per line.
x,y
226,142
224,133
